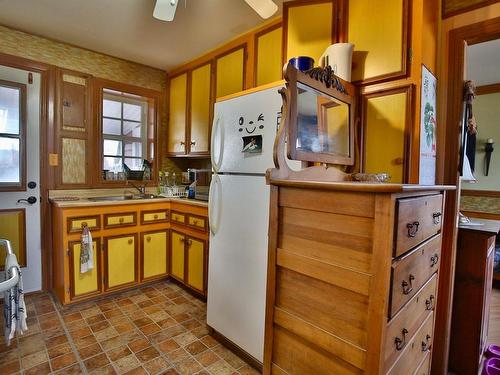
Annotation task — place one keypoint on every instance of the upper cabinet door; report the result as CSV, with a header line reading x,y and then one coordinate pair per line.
x,y
378,30
176,142
230,72
200,109
269,57
309,28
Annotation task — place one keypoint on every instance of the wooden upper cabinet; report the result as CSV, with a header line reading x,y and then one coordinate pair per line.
x,y
309,28
269,55
379,33
230,72
176,140
200,109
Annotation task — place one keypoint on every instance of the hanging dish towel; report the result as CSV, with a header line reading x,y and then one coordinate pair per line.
x,y
14,309
86,252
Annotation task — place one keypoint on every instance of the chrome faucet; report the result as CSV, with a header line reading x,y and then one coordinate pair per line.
x,y
140,188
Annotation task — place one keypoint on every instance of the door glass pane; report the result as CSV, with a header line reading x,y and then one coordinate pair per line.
x,y
9,160
111,108
132,129
9,110
113,164
112,147
134,164
133,149
132,112
110,126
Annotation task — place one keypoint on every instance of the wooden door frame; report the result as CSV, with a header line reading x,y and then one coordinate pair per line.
x,y
47,101
458,38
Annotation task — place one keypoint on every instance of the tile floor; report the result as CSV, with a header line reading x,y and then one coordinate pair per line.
x,y
159,329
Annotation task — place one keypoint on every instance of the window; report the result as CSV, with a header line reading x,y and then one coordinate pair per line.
x,y
12,128
127,128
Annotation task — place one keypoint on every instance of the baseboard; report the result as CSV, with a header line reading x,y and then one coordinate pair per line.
x,y
248,358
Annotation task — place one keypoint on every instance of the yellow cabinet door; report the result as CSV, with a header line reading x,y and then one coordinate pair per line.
x,y
200,109
196,263
230,72
87,283
177,242
120,256
154,254
177,115
269,56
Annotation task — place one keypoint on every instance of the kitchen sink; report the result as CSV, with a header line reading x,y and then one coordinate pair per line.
x,y
123,197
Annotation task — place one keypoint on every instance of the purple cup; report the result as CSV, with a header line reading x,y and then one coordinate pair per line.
x,y
492,351
491,367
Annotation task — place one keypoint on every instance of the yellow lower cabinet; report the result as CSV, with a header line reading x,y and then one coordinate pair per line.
x,y
154,254
120,255
177,241
196,263
87,283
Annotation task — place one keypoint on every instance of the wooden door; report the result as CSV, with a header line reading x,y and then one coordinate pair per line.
x,y
230,72
488,283
200,109
269,57
120,261
176,142
84,284
177,250
196,263
154,254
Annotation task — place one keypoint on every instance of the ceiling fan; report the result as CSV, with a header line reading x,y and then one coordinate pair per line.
x,y
165,9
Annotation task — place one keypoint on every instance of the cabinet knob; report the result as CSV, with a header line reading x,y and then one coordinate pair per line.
x,y
155,216
120,220
436,218
130,241
195,222
429,303
189,242
193,143
434,260
183,143
148,238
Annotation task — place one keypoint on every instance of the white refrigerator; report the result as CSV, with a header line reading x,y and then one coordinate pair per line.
x,y
243,134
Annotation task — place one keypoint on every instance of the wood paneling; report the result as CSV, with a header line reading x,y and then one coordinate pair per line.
x,y
454,7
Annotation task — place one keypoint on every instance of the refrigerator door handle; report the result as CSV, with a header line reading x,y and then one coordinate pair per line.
x,y
217,131
214,198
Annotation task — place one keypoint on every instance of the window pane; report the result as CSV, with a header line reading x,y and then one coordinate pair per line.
x,y
9,160
111,108
132,129
132,149
113,164
9,110
110,126
112,147
134,164
132,112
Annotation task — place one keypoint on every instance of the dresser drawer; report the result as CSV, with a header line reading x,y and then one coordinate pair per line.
x,y
425,366
154,216
122,219
75,224
416,349
177,217
417,219
197,222
409,273
402,328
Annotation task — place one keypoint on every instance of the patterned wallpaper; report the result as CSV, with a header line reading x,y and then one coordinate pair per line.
x,y
36,48
489,205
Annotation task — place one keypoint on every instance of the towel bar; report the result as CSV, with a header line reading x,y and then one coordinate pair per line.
x,y
8,284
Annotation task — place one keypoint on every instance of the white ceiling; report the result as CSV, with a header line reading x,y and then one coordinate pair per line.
x,y
127,29
483,62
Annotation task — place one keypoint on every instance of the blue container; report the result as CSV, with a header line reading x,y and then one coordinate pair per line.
x,y
302,63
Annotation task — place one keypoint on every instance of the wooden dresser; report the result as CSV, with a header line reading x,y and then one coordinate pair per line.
x,y
352,277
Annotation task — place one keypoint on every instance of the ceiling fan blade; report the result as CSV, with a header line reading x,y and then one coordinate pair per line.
x,y
264,8
165,9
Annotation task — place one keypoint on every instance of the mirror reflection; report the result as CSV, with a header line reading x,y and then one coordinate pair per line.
x,y
322,122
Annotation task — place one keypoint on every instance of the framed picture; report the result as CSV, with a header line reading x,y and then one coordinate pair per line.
x,y
427,170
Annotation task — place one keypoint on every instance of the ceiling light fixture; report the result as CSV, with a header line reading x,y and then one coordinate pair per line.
x,y
165,9
264,8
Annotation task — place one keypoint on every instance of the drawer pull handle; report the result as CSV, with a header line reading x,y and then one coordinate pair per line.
x,y
412,228
130,241
434,260
407,287
429,303
195,222
121,220
155,217
400,343
436,218
148,238
426,346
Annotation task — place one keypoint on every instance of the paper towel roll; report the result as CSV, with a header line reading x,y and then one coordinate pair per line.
x,y
339,57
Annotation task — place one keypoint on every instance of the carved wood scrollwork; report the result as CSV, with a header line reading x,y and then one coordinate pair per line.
x,y
327,77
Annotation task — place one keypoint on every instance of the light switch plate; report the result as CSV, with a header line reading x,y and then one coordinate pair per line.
x,y
53,160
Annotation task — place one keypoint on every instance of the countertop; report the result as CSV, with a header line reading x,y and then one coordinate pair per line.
x,y
481,225
84,202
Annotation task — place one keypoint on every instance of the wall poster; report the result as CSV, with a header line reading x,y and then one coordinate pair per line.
x,y
427,170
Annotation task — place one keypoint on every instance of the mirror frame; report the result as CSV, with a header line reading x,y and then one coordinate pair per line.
x,y
324,81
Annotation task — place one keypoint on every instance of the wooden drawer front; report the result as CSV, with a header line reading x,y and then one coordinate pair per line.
x,y
197,222
403,327
425,366
417,219
75,223
412,271
416,349
123,219
154,216
177,217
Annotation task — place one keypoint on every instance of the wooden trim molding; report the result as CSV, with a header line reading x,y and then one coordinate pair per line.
x,y
488,89
481,215
461,6
481,193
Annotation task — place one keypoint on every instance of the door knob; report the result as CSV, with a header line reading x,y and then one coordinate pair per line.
x,y
29,200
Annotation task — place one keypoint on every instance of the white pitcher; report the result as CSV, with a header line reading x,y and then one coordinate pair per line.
x,y
339,57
